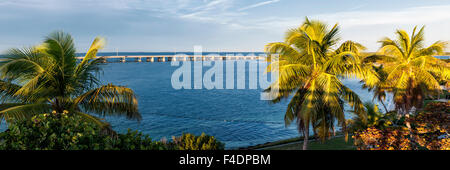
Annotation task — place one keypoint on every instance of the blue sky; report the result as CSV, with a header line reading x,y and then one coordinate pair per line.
x,y
217,25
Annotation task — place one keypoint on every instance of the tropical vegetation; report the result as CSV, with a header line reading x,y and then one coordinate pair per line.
x,y
191,142
429,131
379,93
310,70
412,71
375,118
64,131
51,101
47,78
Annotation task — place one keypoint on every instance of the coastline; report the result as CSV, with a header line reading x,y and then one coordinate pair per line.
x,y
334,143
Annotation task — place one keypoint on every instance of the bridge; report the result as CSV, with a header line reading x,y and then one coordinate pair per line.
x,y
184,58
175,58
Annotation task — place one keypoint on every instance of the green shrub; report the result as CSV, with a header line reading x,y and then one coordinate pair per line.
x,y
51,132
71,132
374,119
134,140
203,142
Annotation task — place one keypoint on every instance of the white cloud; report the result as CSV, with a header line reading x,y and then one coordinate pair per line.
x,y
258,5
235,17
408,16
416,15
366,27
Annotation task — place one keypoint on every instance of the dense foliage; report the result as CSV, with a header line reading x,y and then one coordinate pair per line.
x,y
310,67
70,132
412,71
430,130
202,142
48,77
385,139
432,127
374,119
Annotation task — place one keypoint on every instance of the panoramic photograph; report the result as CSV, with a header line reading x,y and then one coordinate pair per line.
x,y
244,78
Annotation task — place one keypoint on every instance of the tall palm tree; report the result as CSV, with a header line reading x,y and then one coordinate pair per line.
x,y
412,73
310,70
48,78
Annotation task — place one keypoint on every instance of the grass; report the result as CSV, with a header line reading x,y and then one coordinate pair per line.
x,y
442,96
336,143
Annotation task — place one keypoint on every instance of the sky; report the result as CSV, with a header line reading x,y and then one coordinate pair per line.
x,y
216,25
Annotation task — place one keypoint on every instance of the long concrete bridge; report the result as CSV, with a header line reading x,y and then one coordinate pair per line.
x,y
176,58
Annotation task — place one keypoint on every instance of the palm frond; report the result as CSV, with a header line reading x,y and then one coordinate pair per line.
x,y
21,64
90,118
12,112
436,48
7,91
376,58
284,50
391,48
110,100
354,101
97,45
404,41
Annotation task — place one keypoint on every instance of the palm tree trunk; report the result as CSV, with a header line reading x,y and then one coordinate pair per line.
x,y
56,106
408,124
385,108
305,137
334,131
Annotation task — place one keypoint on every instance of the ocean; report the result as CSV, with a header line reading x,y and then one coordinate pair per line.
x,y
235,116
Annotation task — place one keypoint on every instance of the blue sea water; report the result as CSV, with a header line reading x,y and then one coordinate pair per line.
x,y
235,116
443,57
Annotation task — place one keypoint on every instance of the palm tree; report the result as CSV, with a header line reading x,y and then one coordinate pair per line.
x,y
310,70
412,73
48,78
374,119
378,91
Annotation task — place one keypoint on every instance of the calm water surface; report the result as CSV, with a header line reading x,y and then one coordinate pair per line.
x,y
236,117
